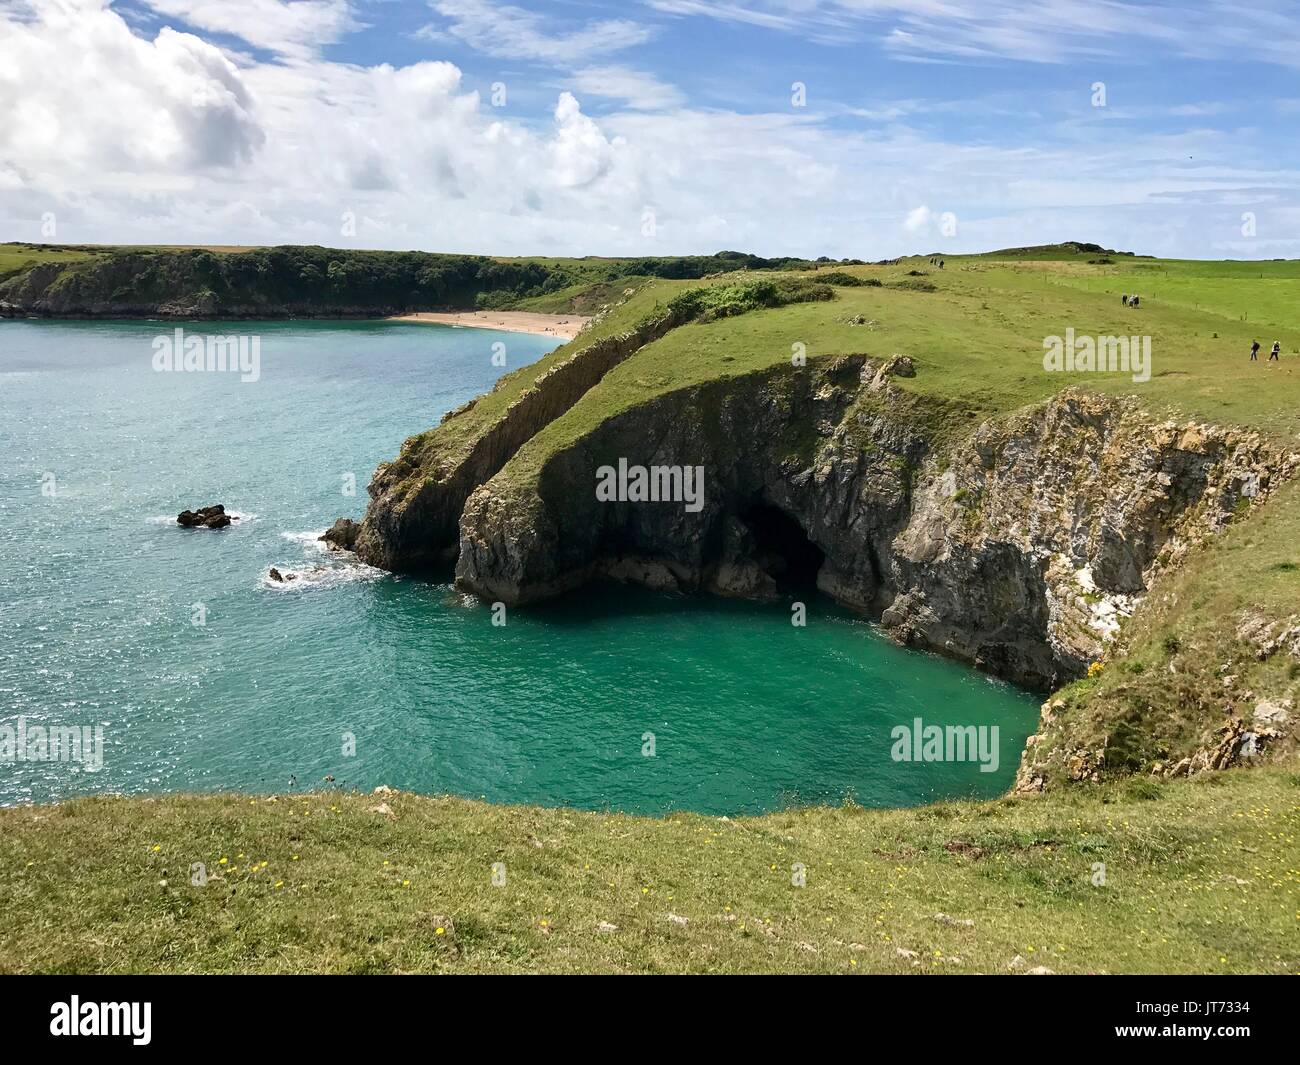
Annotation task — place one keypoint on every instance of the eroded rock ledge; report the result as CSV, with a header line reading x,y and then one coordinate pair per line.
x,y
1017,549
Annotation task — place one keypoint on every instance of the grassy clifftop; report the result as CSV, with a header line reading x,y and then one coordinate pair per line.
x,y
1180,876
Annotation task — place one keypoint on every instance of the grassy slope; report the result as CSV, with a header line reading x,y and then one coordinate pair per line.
x,y
15,258
457,436
1162,694
1201,876
978,340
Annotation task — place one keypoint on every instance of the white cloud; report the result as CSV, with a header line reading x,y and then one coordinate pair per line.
x,y
167,140
80,92
919,220
636,88
514,33
1040,31
284,26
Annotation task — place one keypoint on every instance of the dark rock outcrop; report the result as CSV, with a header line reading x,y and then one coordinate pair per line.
x,y
214,517
342,535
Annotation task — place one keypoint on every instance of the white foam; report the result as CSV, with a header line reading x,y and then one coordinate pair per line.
x,y
310,539
326,568
320,576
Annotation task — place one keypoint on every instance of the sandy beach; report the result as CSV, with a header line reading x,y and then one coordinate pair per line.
x,y
562,326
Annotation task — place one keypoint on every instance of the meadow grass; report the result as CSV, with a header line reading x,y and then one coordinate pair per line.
x,y
1199,875
14,258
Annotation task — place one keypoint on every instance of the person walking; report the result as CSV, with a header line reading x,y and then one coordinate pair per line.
x,y
1254,351
1277,350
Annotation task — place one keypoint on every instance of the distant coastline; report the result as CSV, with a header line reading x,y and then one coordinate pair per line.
x,y
563,326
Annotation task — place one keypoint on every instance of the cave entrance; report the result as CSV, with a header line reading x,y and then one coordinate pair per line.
x,y
783,548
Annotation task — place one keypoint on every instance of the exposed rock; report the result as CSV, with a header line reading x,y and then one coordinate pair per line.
x,y
342,535
214,517
895,366
1267,636
955,922
417,499
738,573
1268,712
1019,548
1222,749
1020,557
276,575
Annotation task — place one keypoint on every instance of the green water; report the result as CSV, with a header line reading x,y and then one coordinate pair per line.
x,y
99,591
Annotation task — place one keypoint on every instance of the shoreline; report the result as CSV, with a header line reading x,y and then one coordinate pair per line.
x,y
561,326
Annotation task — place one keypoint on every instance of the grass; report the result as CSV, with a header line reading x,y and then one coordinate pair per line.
x,y
977,342
14,258
1200,876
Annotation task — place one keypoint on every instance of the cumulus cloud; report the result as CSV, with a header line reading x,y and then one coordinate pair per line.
x,y
919,220
165,138
82,94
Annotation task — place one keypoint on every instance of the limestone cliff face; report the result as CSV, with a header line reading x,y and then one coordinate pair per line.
x,y
416,500
1018,549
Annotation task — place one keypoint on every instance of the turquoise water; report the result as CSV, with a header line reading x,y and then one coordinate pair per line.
x,y
99,591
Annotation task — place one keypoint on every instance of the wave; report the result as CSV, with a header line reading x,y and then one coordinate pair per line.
x,y
310,540
334,568
306,578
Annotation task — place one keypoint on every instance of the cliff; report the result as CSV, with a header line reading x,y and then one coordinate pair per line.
x,y
1022,546
1018,550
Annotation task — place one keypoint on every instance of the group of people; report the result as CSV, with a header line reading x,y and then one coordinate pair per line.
x,y
937,262
1274,355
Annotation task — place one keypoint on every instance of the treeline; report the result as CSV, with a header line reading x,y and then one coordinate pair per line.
x,y
304,280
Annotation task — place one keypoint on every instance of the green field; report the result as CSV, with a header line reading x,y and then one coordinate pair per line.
x,y
1199,876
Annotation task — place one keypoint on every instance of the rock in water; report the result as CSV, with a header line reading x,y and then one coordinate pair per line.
x,y
342,535
276,575
214,517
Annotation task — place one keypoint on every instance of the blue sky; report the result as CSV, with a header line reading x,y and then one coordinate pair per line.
x,y
256,121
